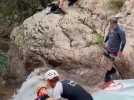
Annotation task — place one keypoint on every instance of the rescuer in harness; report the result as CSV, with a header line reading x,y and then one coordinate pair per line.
x,y
64,88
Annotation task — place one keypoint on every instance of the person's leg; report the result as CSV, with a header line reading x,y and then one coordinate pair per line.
x,y
108,75
72,2
61,3
58,9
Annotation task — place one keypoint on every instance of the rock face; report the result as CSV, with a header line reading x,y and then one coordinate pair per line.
x,y
14,12
127,21
69,42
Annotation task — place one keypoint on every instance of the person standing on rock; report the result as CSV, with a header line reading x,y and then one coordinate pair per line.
x,y
65,88
114,45
116,39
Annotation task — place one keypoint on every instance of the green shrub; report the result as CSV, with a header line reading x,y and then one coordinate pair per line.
x,y
3,63
99,39
21,8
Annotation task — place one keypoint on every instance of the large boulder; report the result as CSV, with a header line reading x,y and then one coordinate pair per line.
x,y
69,42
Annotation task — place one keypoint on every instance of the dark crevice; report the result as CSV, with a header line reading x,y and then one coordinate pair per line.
x,y
54,63
66,34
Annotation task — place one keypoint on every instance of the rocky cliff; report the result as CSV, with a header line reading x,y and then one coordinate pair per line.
x,y
73,42
13,13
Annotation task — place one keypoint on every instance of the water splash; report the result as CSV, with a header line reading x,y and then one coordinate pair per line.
x,y
28,88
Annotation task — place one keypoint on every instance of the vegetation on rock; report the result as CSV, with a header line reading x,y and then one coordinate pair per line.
x,y
20,9
115,5
99,39
3,63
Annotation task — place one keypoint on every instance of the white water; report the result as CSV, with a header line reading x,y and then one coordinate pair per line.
x,y
28,88
27,92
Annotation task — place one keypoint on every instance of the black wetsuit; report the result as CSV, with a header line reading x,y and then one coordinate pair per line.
x,y
73,91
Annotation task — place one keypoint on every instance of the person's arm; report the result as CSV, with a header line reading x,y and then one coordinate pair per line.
x,y
61,2
123,41
58,90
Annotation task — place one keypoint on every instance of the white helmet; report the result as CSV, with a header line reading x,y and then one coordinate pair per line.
x,y
50,74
